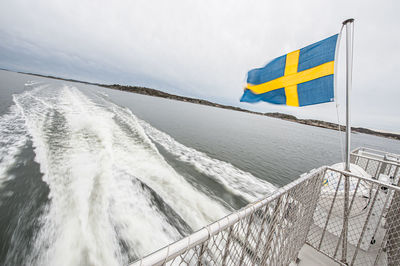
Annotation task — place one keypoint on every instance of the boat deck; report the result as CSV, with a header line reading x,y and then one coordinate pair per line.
x,y
308,256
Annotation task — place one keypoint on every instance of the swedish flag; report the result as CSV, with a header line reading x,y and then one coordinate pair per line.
x,y
299,78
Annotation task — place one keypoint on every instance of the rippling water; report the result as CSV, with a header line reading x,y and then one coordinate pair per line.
x,y
91,176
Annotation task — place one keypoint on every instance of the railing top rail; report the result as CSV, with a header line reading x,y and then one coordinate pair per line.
x,y
169,252
365,179
375,159
378,152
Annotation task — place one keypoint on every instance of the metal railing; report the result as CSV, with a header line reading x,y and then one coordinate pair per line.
x,y
380,165
372,219
369,219
268,232
313,210
373,227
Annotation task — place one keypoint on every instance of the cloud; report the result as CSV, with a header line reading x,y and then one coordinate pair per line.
x,y
204,48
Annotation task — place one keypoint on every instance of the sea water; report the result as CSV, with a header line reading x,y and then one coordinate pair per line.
x,y
94,176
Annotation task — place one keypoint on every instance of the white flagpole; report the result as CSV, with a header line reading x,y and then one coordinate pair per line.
x,y
349,68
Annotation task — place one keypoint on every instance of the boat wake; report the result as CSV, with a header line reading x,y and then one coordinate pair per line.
x,y
235,180
112,195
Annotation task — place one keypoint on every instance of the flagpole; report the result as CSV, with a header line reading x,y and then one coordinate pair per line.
x,y
349,67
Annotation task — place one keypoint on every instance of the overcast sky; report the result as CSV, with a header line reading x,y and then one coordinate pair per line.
x,y
205,48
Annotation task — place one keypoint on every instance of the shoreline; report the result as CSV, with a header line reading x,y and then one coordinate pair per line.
x,y
291,118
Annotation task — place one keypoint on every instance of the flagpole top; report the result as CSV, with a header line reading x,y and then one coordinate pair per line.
x,y
350,20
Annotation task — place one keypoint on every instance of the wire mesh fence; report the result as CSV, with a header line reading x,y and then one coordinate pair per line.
x,y
350,218
355,235
380,165
367,231
267,232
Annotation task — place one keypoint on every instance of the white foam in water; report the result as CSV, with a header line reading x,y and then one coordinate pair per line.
x,y
235,180
13,138
194,207
31,83
92,160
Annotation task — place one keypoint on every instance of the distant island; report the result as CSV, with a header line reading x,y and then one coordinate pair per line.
x,y
157,93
